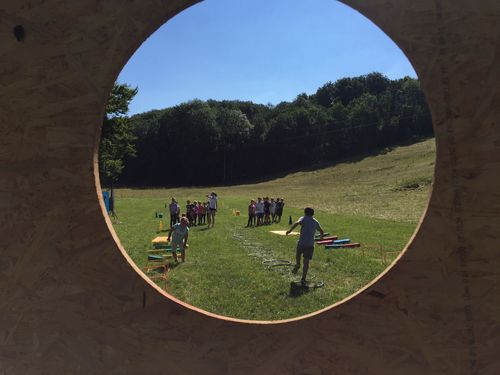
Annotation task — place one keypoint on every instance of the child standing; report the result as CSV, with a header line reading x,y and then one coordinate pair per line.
x,y
260,211
272,209
212,208
179,233
205,212
305,246
174,212
251,213
189,209
267,211
194,213
200,213
279,209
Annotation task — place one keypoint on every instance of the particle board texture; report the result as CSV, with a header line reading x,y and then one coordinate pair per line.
x,y
71,300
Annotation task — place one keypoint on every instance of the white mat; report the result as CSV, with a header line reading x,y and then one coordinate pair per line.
x,y
283,233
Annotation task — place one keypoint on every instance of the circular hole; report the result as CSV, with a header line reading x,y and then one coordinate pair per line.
x,y
354,145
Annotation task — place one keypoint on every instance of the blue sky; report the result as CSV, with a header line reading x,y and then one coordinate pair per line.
x,y
266,51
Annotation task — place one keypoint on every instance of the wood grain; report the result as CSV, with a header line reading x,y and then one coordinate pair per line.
x,y
71,301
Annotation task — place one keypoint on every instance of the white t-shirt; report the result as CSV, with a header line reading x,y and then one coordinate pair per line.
x,y
309,226
212,202
259,206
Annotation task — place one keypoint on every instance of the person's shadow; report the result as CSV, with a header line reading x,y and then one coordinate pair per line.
x,y
297,289
173,264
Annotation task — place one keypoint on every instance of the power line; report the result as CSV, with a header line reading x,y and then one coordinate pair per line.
x,y
321,134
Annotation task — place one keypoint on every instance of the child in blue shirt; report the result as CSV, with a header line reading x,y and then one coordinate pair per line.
x,y
179,233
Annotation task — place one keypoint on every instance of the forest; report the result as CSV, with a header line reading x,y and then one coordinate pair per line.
x,y
225,142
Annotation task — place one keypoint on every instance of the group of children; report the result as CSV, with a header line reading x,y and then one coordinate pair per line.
x,y
265,211
179,226
197,212
261,212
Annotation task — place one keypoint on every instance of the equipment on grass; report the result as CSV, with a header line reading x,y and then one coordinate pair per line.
x,y
277,263
159,239
326,238
327,242
342,245
156,257
283,232
318,236
160,249
334,243
160,228
160,242
157,265
345,240
290,220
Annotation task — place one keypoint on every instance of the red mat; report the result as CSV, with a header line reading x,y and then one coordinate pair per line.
x,y
329,238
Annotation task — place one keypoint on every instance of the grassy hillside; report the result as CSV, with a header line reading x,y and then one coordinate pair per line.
x,y
394,185
376,200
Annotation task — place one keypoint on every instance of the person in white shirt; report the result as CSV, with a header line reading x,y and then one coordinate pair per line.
x,y
259,208
272,210
212,209
305,246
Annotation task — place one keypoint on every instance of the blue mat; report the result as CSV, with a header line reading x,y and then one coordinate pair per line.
x,y
344,240
155,257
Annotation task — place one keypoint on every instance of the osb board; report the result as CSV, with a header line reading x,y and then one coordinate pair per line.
x,y
70,301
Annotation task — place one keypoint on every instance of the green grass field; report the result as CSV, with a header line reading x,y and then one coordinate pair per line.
x,y
376,200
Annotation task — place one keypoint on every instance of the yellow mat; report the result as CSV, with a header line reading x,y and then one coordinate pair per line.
x,y
158,240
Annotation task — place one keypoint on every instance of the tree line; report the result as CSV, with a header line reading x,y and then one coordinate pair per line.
x,y
219,142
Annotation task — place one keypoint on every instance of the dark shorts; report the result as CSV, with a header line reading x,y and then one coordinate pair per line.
x,y
306,250
260,215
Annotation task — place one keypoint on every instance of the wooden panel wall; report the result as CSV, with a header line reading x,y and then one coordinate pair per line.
x,y
70,301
